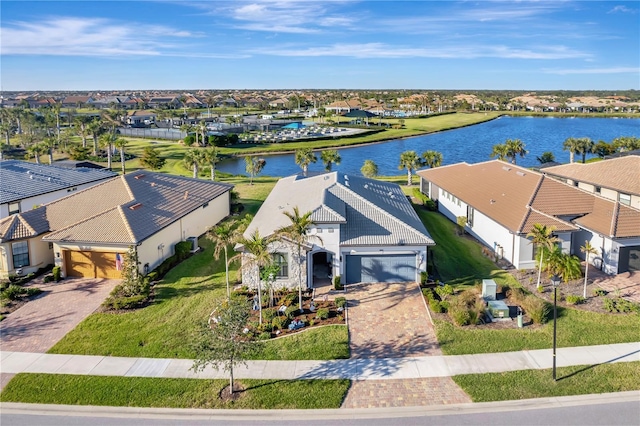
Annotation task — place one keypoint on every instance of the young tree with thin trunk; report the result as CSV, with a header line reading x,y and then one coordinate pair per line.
x,y
253,166
192,160
369,169
222,342
210,157
121,143
222,236
588,250
542,236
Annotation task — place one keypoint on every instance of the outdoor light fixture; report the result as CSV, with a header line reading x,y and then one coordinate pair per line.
x,y
555,281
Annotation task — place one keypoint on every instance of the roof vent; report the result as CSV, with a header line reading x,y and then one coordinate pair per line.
x,y
346,177
366,186
492,201
519,173
186,194
346,182
49,179
507,168
140,176
135,206
30,176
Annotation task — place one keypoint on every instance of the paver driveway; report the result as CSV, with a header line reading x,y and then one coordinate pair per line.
x,y
40,323
389,320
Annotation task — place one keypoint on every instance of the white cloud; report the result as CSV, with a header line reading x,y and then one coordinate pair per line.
x,y
382,50
613,70
95,37
622,9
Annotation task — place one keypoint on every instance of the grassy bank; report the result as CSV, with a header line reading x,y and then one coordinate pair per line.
x,y
172,393
576,380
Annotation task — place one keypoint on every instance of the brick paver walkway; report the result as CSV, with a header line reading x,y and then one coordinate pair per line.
x,y
40,323
389,321
404,393
627,284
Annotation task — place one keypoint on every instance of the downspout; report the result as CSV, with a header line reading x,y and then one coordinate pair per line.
x,y
513,247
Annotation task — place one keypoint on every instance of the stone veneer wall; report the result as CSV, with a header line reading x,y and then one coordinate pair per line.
x,y
250,274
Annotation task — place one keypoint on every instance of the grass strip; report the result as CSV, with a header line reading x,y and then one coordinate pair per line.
x,y
172,393
575,380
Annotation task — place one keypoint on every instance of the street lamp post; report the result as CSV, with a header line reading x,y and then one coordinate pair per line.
x,y
555,281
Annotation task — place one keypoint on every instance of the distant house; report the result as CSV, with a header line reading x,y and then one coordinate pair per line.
x,y
76,101
278,103
365,231
617,179
87,231
340,107
118,102
171,102
27,185
140,118
501,202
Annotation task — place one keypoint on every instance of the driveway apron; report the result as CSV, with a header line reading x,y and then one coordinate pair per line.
x,y
390,320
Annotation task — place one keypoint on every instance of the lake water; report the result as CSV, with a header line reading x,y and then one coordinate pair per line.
x,y
472,144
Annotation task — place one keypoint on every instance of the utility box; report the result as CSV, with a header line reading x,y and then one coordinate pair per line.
x,y
489,288
498,309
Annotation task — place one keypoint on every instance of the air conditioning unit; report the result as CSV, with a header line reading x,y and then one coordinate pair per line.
x,y
194,244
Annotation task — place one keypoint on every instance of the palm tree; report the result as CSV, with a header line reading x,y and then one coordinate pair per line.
x,y
542,236
94,127
546,157
583,147
192,160
36,150
80,124
588,250
257,247
304,157
296,232
121,143
515,147
202,127
571,145
409,160
500,151
49,143
330,157
432,158
253,166
222,236
210,158
106,141
369,169
187,128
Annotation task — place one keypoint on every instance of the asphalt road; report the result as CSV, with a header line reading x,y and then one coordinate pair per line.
x,y
608,409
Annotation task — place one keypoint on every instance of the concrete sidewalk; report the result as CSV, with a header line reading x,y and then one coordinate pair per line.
x,y
353,369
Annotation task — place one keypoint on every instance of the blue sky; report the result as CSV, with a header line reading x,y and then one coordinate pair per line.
x,y
526,45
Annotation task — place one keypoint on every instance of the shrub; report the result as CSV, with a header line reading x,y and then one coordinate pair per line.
x,y
599,292
540,289
423,277
130,302
336,283
460,316
152,276
420,196
609,305
430,205
516,294
47,279
291,311
13,292
574,299
57,273
32,291
182,250
444,291
322,313
428,294
269,314
620,305
277,323
4,285
435,306
445,305
537,309
289,298
341,302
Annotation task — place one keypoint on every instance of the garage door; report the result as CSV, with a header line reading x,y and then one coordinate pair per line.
x,y
382,269
92,264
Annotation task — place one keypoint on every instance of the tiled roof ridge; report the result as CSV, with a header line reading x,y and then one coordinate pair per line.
x,y
531,209
10,226
530,203
27,224
325,207
324,197
126,184
614,219
75,194
380,209
126,223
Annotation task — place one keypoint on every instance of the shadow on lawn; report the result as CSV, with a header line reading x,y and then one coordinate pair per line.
x,y
589,367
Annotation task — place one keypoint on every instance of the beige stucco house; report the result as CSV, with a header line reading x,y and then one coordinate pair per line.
x,y
85,232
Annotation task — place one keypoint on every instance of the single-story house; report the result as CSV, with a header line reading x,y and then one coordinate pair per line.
x,y
501,202
617,179
363,230
88,232
27,185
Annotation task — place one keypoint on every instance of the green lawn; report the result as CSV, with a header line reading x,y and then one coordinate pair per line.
x,y
460,262
576,380
183,300
172,393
